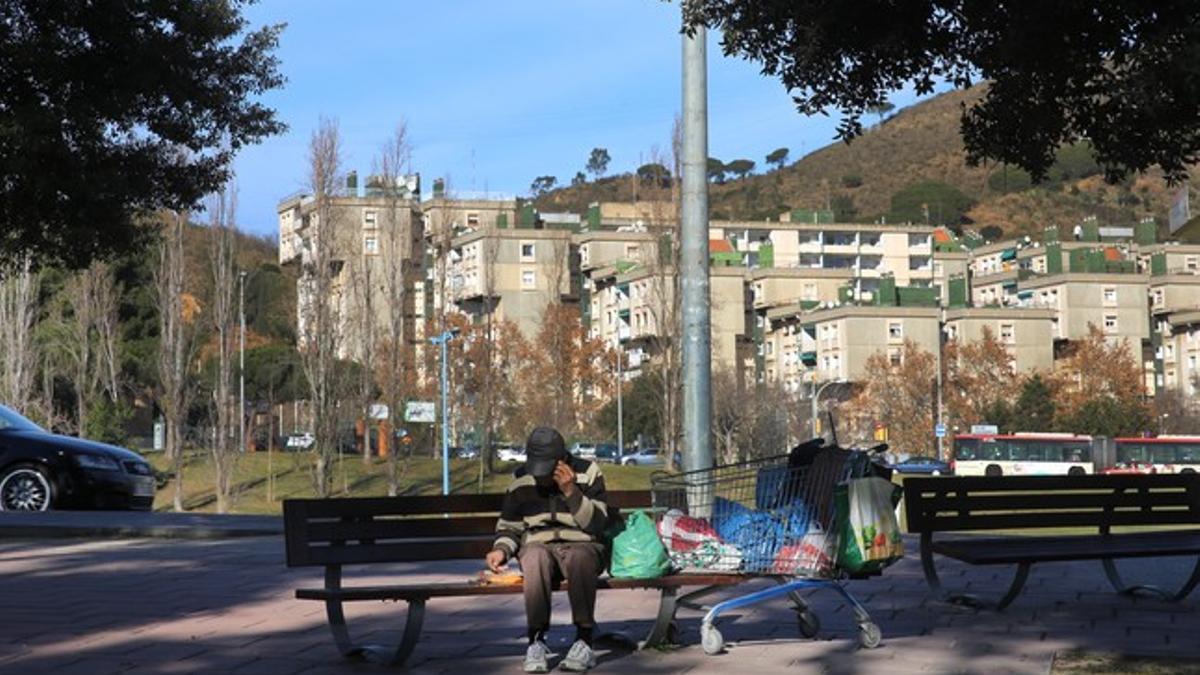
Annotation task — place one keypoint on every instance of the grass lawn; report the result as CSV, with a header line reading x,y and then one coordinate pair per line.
x,y
1089,663
257,493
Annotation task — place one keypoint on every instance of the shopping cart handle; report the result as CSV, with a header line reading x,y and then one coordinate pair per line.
x,y
874,450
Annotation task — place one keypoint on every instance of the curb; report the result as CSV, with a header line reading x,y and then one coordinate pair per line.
x,y
127,525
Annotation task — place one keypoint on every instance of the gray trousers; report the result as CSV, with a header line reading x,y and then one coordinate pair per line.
x,y
546,565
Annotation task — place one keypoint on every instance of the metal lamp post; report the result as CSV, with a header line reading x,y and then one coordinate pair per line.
x,y
620,410
242,362
816,397
443,340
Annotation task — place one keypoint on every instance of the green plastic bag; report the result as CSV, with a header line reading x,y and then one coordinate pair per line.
x,y
866,521
637,552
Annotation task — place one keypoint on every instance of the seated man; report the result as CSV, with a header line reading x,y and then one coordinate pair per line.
x,y
552,521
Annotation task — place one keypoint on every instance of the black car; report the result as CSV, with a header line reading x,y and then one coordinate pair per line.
x,y
41,471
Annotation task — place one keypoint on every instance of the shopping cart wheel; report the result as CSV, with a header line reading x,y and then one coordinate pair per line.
x,y
810,623
712,641
869,635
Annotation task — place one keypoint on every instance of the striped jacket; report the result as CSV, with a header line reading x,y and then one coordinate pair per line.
x,y
532,513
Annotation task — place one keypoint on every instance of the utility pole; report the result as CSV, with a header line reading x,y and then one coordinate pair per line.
x,y
620,410
242,362
693,264
941,330
443,340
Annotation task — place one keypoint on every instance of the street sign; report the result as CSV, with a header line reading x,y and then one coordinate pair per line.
x,y
378,411
985,429
420,412
940,430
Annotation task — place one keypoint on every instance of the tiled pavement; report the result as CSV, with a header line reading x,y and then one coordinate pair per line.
x,y
178,606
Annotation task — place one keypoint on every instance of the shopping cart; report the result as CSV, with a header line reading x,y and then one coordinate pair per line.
x,y
772,518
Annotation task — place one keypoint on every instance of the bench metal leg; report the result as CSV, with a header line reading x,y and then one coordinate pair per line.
x,y
664,631
388,656
1114,578
965,599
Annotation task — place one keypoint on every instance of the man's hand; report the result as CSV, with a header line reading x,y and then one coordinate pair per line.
x,y
495,560
565,477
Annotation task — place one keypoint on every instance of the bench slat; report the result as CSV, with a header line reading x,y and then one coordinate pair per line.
x,y
411,550
1020,521
1056,501
401,528
436,590
1011,550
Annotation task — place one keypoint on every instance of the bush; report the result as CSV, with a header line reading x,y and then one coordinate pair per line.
x,y
992,232
943,204
1009,179
844,210
106,422
851,180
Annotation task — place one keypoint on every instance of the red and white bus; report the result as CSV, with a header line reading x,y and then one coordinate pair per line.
x,y
1161,454
1023,454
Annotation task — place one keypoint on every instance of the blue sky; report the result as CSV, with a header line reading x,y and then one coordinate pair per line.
x,y
497,93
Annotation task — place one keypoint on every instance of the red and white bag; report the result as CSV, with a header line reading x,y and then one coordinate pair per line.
x,y
682,533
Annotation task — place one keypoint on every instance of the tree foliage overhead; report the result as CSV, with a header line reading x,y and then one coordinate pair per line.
x,y
598,161
111,109
1123,73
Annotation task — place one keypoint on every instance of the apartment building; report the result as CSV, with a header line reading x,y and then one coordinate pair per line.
x,y
835,343
514,274
1026,334
635,306
1115,303
375,234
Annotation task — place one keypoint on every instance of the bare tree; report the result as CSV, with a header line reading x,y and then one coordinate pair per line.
x,y
106,296
176,343
398,362
222,209
319,333
19,287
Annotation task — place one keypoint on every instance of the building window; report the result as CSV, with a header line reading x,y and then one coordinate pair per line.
x,y
770,348
895,330
527,250
528,279
1110,296
368,219
895,356
1190,263
370,245
631,250
1158,297
1110,323
810,292
472,220
1169,351
1008,334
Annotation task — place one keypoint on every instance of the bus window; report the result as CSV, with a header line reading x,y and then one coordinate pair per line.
x,y
966,448
1076,452
1187,454
995,451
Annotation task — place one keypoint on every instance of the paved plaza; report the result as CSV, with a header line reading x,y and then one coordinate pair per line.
x,y
216,606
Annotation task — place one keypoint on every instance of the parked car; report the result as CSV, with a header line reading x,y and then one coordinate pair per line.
x,y
40,471
1134,467
585,450
644,457
510,453
302,441
607,453
922,465
469,452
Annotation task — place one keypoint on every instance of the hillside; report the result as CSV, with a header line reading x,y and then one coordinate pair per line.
x,y
918,144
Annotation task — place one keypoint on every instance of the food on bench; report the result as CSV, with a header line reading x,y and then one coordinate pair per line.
x,y
488,577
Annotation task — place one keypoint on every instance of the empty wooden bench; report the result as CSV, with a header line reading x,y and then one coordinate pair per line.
x,y
334,533
979,504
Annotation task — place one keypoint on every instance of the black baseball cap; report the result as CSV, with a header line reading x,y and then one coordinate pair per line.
x,y
542,452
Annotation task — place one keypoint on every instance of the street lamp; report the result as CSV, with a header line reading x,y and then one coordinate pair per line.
x,y
816,397
442,340
242,362
620,411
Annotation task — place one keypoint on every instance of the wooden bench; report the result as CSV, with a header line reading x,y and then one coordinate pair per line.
x,y
337,532
975,504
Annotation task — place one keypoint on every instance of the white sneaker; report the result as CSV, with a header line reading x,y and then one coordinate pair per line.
x,y
535,657
580,658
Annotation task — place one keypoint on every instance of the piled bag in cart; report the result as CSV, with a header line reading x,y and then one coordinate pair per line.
x,y
866,522
692,543
760,535
812,556
637,552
